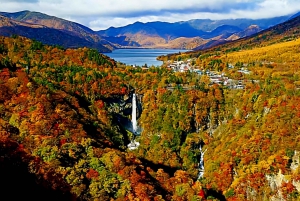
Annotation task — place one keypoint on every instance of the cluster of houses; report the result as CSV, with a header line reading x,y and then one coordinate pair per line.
x,y
221,79
215,77
180,66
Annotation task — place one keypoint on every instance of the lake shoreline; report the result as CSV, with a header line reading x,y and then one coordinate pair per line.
x,y
140,56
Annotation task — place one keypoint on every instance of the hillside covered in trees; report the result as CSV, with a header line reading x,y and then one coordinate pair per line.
x,y
59,116
62,115
51,30
253,154
287,31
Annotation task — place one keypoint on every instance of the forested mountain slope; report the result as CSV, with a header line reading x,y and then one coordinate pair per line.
x,y
253,154
287,31
63,113
61,109
51,30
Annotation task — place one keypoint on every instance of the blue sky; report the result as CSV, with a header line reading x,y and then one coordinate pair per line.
x,y
101,14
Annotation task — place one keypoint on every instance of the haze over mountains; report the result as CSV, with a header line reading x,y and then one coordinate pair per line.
x,y
192,34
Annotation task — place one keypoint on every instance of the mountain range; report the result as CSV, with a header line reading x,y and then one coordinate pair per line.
x,y
284,32
51,30
206,32
192,34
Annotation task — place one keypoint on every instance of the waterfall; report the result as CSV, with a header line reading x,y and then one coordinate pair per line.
x,y
133,144
133,116
201,162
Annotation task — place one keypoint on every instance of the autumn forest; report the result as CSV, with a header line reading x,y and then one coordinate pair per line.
x,y
63,117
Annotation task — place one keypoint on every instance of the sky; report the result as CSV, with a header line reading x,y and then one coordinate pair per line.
x,y
102,14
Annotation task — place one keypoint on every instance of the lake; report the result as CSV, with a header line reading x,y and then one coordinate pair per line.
x,y
140,57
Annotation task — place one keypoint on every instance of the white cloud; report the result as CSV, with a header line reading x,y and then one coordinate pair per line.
x,y
100,14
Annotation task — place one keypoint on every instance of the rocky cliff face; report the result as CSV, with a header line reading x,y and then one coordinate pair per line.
x,y
122,109
276,182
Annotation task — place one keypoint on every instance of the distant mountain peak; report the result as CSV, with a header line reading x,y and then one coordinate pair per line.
x,y
252,29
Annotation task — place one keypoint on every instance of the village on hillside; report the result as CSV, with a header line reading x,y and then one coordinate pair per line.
x,y
214,76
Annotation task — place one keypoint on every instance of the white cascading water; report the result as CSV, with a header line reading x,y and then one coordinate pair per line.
x,y
133,144
201,163
133,116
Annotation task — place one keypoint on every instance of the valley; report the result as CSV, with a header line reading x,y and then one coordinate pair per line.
x,y
219,122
